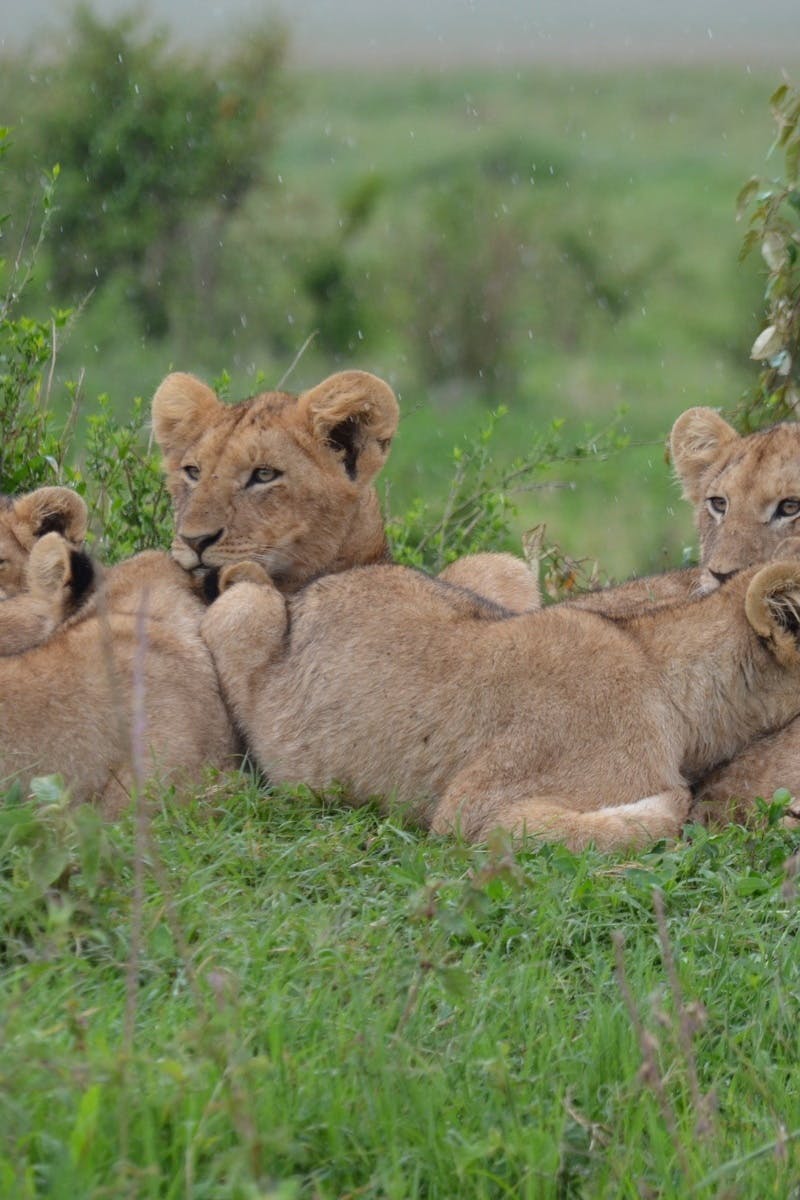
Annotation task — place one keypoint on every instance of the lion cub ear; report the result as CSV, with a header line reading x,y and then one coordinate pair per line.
x,y
182,406
54,565
48,566
356,415
54,510
772,606
696,440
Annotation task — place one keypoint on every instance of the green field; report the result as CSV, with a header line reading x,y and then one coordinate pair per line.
x,y
286,1001
257,996
592,213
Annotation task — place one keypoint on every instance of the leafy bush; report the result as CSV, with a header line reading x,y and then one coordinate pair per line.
x,y
774,229
31,452
148,141
479,505
121,480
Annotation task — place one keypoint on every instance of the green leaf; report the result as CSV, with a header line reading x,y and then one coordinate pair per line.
x,y
85,1127
745,195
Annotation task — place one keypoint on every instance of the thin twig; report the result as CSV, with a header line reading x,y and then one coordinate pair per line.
x,y
295,360
138,725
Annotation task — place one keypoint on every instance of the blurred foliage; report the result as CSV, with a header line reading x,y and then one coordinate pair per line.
x,y
129,506
774,229
462,324
31,450
482,495
149,140
557,242
119,476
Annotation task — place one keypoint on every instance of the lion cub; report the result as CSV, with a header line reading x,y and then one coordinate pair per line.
x,y
288,482
122,691
40,585
561,723
746,497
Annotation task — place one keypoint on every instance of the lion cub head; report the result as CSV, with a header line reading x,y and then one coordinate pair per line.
x,y
25,519
281,480
745,490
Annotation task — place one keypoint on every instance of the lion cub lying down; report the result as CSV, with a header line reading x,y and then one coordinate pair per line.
x,y
35,596
69,706
562,723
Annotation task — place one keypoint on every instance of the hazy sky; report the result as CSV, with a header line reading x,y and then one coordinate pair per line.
x,y
433,31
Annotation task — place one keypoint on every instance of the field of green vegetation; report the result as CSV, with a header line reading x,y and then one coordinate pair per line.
x,y
258,996
560,243
255,995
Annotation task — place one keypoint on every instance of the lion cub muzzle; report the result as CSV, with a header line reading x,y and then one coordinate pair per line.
x,y
197,544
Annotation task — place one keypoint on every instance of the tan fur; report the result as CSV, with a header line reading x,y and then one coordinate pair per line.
x,y
646,592
29,613
321,513
59,580
69,707
500,578
283,480
561,723
754,480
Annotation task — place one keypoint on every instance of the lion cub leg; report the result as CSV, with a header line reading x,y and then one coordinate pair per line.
x,y
244,629
474,809
501,578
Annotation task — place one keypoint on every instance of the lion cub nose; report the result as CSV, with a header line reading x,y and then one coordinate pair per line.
x,y
202,541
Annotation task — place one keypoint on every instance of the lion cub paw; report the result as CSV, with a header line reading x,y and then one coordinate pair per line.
x,y
242,572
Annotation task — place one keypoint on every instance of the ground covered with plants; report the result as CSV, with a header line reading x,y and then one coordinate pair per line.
x,y
256,995
260,996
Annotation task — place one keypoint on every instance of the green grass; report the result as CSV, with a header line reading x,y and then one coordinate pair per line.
x,y
323,1004
260,996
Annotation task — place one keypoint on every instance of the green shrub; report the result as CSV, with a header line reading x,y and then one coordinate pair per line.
x,y
120,478
774,229
149,140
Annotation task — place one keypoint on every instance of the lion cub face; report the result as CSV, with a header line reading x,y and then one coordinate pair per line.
x,y
745,490
282,480
25,519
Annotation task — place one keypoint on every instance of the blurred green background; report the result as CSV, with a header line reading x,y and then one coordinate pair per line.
x,y
558,238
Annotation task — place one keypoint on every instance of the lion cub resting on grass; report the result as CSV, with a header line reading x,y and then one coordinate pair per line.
x,y
560,723
69,706
40,585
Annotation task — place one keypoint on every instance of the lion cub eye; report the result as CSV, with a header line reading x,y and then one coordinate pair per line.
x,y
787,508
191,472
263,475
718,505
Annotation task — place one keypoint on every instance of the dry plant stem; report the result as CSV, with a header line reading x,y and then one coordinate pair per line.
x,y
296,360
650,1073
683,1022
777,1145
138,733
